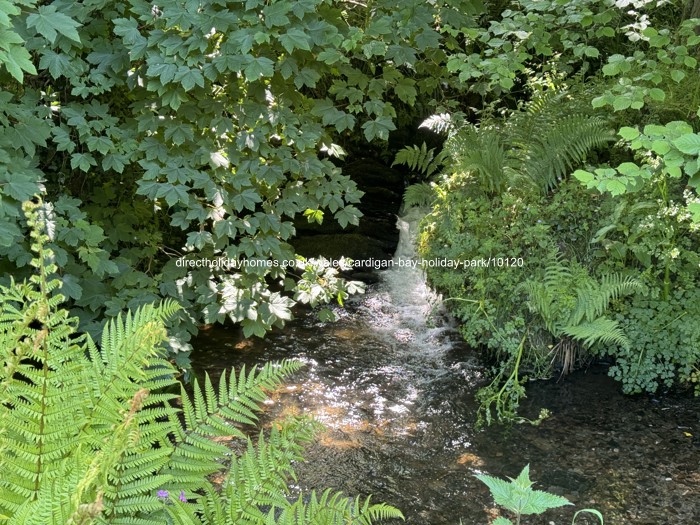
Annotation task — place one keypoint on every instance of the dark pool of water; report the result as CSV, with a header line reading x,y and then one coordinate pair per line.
x,y
397,399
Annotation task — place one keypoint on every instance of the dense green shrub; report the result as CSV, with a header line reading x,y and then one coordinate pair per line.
x,y
191,130
664,344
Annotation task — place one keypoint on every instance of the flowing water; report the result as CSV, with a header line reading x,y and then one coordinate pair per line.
x,y
394,388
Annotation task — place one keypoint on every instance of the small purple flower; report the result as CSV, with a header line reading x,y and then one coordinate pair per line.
x,y
182,496
163,494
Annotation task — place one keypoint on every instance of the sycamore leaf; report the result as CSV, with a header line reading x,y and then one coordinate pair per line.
x,y
17,60
380,127
280,306
20,188
49,23
259,67
348,215
295,39
246,199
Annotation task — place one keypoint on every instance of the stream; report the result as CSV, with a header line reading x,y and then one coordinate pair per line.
x,y
394,386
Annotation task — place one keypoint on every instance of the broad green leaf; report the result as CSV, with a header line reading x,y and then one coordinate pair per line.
x,y
17,60
621,103
259,67
629,169
378,128
247,199
628,133
688,144
657,94
694,209
660,147
295,39
677,75
614,186
583,176
49,23
348,215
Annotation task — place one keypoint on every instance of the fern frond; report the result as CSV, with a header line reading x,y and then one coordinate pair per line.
x,y
419,195
420,160
332,508
601,330
552,153
594,298
440,123
482,154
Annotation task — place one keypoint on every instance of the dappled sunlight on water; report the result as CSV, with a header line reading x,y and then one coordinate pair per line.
x,y
394,389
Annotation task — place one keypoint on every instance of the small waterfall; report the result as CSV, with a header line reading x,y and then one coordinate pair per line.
x,y
403,304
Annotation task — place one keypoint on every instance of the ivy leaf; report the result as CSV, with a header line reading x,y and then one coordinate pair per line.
x,y
57,64
70,287
326,315
306,77
253,327
173,193
49,23
101,144
8,233
331,56
82,161
189,78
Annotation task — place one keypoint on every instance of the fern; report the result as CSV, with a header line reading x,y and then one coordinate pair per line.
x,y
442,123
535,148
91,434
420,160
572,305
425,163
419,195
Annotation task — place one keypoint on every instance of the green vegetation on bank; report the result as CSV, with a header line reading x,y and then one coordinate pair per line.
x,y
611,252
